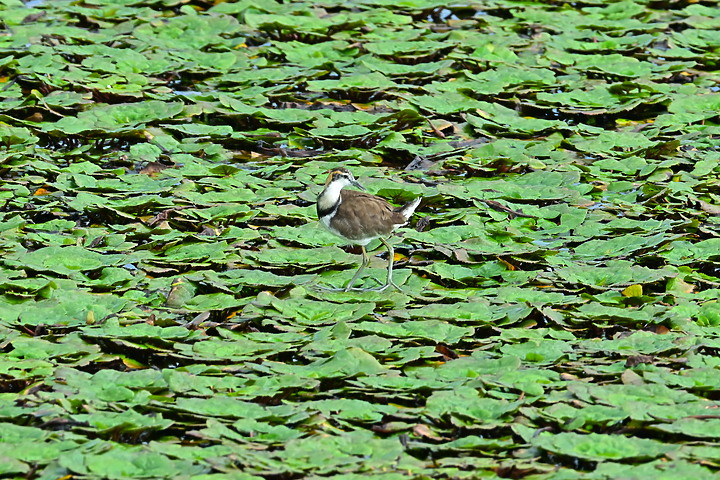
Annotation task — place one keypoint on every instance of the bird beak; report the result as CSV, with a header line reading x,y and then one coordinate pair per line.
x,y
355,183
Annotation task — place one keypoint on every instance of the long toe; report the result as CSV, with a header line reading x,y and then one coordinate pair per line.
x,y
389,284
330,289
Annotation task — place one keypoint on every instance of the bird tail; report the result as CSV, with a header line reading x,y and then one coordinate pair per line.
x,y
407,210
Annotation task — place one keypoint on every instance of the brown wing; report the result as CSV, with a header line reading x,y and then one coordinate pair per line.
x,y
361,215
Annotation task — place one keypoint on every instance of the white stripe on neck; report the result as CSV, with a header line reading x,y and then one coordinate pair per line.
x,y
331,195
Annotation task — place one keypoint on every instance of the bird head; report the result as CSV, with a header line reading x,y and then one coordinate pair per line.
x,y
344,177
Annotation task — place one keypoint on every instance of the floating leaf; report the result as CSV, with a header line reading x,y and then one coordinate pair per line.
x,y
601,447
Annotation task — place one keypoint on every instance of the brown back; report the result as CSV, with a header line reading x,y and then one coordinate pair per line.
x,y
361,215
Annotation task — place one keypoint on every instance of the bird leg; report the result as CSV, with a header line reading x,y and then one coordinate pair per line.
x,y
391,260
365,261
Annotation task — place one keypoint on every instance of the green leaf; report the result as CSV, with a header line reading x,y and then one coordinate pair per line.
x,y
466,406
116,118
601,447
434,330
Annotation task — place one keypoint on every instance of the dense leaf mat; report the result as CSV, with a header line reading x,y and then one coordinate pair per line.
x,y
165,310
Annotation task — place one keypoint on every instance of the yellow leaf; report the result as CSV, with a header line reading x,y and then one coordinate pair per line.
x,y
130,363
679,285
633,291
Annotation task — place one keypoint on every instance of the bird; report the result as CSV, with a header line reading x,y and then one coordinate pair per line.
x,y
359,217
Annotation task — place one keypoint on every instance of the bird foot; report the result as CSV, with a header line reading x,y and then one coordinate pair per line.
x,y
376,289
359,289
390,284
331,289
